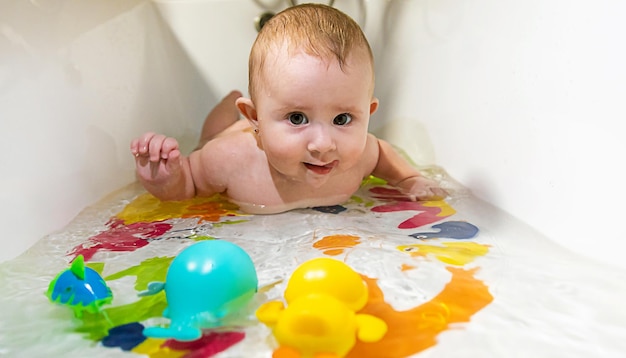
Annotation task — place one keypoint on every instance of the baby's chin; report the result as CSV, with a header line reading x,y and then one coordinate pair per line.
x,y
314,181
311,175
317,177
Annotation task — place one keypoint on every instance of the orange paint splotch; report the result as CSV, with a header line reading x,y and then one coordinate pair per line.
x,y
147,208
414,330
334,245
211,211
406,267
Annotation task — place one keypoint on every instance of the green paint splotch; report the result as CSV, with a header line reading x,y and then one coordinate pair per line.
x,y
96,325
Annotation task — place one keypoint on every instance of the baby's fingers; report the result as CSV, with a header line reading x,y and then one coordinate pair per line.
x,y
140,146
437,193
155,146
173,161
134,147
169,148
430,194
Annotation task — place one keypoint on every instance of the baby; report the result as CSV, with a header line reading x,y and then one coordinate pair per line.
x,y
305,142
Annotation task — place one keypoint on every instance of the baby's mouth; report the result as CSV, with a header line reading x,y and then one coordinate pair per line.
x,y
321,169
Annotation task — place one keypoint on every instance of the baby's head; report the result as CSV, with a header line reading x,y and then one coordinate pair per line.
x,y
311,93
315,29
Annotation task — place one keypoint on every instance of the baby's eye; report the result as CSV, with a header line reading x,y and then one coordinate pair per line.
x,y
342,119
298,119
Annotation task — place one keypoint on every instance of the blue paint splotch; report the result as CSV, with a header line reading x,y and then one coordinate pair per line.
x,y
459,230
126,337
333,209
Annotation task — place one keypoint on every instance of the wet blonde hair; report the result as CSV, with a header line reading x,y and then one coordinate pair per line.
x,y
316,29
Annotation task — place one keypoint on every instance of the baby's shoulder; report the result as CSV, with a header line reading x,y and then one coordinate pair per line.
x,y
370,154
220,160
230,151
372,143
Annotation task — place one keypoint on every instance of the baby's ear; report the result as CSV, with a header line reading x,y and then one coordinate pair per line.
x,y
247,109
373,105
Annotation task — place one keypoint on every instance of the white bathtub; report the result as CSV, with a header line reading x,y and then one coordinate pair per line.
x,y
522,102
518,101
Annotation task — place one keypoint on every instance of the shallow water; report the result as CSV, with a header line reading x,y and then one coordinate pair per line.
x,y
505,291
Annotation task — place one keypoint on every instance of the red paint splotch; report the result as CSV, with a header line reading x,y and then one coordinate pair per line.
x,y
208,345
120,237
383,193
428,214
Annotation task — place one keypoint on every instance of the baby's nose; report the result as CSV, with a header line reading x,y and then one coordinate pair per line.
x,y
321,140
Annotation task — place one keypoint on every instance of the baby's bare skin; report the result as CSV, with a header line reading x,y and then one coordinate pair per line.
x,y
304,141
245,176
231,162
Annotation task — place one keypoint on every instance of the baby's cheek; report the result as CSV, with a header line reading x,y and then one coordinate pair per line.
x,y
282,151
351,155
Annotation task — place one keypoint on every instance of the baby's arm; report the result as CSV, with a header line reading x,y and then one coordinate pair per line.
x,y
161,168
401,174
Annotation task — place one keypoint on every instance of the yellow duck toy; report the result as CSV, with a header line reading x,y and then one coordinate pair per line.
x,y
320,319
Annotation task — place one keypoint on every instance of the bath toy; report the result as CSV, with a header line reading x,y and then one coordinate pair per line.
x,y
205,283
323,297
80,288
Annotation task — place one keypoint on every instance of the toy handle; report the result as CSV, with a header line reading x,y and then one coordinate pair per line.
x,y
153,288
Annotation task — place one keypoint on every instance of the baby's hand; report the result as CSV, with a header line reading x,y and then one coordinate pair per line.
x,y
157,157
422,188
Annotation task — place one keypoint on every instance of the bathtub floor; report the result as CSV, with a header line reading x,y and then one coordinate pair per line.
x,y
444,290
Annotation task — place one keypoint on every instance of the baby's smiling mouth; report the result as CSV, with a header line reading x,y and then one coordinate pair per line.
x,y
321,169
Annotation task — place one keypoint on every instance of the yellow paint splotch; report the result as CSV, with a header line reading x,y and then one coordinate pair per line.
x,y
446,209
153,348
453,253
147,208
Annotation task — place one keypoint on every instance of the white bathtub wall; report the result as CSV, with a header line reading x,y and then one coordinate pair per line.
x,y
79,79
518,100
203,25
523,102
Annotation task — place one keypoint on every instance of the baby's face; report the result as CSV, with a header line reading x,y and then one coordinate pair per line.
x,y
313,116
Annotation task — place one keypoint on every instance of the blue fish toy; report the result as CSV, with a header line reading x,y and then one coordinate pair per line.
x,y
205,283
80,288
